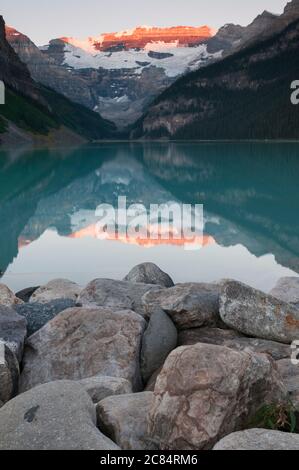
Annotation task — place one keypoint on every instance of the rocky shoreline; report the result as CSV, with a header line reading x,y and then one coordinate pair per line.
x,y
143,364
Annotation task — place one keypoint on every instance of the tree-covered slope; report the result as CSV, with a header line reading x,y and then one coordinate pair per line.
x,y
32,111
245,96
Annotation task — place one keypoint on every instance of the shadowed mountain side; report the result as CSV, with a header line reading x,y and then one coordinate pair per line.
x,y
245,96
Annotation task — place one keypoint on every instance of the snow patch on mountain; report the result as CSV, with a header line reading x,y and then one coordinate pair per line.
x,y
182,59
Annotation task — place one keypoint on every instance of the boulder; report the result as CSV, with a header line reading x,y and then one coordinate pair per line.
x,y
150,386
102,387
37,315
9,374
290,376
149,273
55,416
12,330
25,294
124,419
56,289
7,297
234,340
254,313
205,392
159,339
189,305
80,343
287,290
115,294
208,335
259,439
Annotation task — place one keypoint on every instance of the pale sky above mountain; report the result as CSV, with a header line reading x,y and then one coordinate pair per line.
x,y
43,20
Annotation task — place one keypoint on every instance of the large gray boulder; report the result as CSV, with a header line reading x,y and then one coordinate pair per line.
x,y
290,375
234,340
205,392
80,343
287,290
259,439
190,305
159,339
12,330
124,419
37,315
9,374
254,313
55,416
115,294
149,273
56,289
101,387
7,297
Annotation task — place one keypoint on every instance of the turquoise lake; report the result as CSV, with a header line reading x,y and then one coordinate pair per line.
x,y
249,191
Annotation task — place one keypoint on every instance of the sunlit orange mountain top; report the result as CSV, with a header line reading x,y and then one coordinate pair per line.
x,y
139,37
92,231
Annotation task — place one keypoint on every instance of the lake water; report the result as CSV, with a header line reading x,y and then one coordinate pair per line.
x,y
250,194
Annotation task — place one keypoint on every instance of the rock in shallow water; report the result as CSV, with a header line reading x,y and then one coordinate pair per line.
x,y
189,305
159,339
56,289
287,290
149,273
124,419
7,297
56,416
254,313
205,392
234,340
9,374
80,343
115,294
102,387
12,330
259,439
37,315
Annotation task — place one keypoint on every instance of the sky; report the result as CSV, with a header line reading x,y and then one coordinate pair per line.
x,y
43,20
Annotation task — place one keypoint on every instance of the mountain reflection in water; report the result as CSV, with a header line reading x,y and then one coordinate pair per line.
x,y
249,191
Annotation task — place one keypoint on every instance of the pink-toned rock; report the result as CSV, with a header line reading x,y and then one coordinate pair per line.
x,y
205,392
7,297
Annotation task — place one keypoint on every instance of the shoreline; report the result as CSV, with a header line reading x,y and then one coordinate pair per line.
x,y
124,347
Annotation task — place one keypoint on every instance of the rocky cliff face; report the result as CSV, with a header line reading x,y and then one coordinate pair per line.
x,y
44,69
246,95
13,72
232,37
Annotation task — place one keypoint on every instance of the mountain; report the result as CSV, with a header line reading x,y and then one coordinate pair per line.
x,y
116,74
13,72
232,37
244,96
34,113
